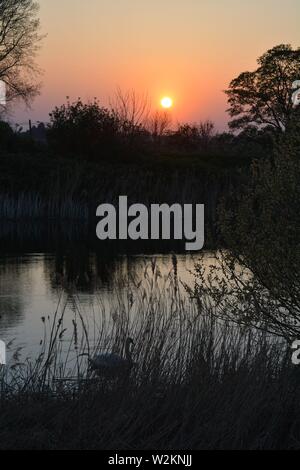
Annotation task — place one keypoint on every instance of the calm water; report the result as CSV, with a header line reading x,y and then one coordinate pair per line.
x,y
34,285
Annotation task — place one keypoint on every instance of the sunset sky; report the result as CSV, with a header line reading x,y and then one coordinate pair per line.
x,y
186,49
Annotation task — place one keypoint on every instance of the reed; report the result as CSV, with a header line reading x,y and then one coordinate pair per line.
x,y
197,382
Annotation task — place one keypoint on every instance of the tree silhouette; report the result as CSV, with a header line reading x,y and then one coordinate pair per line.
x,y
19,40
130,107
263,97
159,123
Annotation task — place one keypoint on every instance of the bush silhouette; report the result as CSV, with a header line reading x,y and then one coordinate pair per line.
x,y
85,130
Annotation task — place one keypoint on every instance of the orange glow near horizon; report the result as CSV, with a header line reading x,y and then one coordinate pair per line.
x,y
90,51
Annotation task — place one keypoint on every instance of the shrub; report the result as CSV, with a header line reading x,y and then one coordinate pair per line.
x,y
85,130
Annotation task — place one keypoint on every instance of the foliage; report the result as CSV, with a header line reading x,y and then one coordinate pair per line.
x,y
85,130
193,136
93,132
256,280
263,97
19,40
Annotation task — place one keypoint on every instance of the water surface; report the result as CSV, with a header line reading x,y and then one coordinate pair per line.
x,y
34,285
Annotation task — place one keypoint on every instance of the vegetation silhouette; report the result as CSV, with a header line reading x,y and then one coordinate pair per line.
x,y
264,97
19,43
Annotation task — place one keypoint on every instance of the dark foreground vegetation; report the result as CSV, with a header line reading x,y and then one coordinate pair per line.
x,y
222,399
196,382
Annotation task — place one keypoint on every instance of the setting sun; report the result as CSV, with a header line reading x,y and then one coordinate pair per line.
x,y
166,102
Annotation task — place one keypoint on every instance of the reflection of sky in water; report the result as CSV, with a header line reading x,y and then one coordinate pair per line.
x,y
30,288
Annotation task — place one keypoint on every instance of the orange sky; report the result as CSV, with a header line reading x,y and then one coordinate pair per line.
x,y
187,49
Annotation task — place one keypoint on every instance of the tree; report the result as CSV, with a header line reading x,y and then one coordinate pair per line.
x,y
186,136
19,41
194,136
256,280
130,107
132,111
206,129
263,97
159,123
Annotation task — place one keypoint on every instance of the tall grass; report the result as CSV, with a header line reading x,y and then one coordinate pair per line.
x,y
197,383
26,205
43,187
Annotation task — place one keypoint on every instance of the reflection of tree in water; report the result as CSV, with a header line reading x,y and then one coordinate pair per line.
x,y
79,260
11,298
77,266
106,267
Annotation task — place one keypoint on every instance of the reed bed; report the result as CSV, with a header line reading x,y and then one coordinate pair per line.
x,y
196,383
26,205
44,187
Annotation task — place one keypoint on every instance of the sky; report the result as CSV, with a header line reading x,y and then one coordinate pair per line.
x,y
186,49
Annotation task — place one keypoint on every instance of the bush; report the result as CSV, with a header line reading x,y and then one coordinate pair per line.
x,y
85,130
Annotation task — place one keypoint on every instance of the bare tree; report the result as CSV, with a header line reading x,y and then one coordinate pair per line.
x,y
159,123
130,107
206,129
19,42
